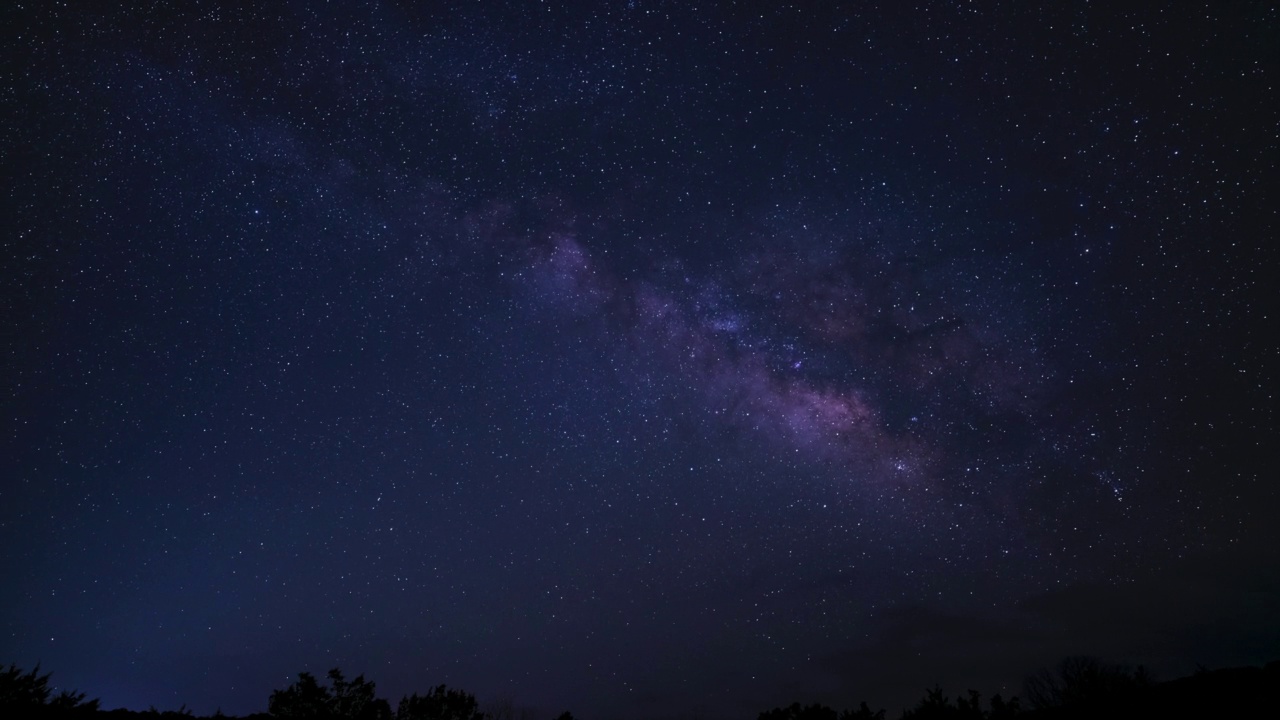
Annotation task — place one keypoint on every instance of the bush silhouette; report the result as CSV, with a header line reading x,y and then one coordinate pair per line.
x,y
796,711
1085,682
353,700
439,704
29,693
862,713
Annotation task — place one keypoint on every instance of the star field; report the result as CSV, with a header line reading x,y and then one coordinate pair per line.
x,y
636,358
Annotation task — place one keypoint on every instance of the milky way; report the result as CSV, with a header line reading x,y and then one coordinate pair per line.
x,y
826,352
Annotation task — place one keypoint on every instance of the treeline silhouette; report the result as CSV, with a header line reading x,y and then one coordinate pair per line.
x,y
1080,687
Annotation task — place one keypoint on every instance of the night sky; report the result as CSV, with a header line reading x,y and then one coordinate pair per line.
x,y
636,358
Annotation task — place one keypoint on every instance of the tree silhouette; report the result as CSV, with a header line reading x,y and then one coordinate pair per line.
x,y
936,705
1084,682
347,700
303,699
1002,710
970,707
503,708
29,693
796,711
862,713
440,704
356,699
152,712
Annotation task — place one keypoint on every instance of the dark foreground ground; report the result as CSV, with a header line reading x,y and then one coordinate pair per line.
x,y
1080,688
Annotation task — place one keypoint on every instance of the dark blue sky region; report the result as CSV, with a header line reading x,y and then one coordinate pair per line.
x,y
633,358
